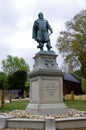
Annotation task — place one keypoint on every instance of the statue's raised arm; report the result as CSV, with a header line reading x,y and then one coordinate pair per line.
x,y
41,32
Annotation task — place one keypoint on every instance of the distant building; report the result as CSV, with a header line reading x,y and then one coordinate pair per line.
x,y
14,94
70,83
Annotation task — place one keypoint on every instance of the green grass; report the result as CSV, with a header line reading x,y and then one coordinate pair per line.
x,y
21,105
77,104
15,105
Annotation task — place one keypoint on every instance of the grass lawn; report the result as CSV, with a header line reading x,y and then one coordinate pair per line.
x,y
15,105
77,104
21,104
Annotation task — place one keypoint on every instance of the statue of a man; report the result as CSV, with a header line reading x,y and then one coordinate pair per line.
x,y
41,33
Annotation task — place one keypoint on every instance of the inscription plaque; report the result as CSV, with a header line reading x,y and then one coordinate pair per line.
x,y
51,90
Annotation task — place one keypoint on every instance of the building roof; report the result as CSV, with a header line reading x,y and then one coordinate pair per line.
x,y
70,77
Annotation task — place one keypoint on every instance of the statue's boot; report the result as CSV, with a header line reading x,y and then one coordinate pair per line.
x,y
48,46
41,45
38,46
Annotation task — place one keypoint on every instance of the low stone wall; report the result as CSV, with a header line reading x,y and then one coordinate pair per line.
x,y
41,129
20,129
47,124
20,120
73,129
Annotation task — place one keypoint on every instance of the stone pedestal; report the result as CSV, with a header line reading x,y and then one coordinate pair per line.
x,y
46,85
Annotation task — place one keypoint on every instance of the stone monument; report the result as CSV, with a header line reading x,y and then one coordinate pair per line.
x,y
46,80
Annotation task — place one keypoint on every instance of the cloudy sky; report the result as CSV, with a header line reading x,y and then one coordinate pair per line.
x,y
16,21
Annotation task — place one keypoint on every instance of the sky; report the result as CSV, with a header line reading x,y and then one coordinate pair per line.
x,y
16,22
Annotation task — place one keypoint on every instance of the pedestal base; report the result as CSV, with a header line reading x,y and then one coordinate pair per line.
x,y
46,86
51,108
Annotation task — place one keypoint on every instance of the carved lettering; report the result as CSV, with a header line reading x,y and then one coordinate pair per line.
x,y
51,90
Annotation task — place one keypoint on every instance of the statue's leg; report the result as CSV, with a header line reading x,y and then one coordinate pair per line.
x,y
41,45
38,46
48,45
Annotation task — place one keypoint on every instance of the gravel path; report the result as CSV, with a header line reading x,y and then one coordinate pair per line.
x,y
23,114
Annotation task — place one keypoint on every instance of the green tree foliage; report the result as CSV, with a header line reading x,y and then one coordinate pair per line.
x,y
13,64
72,43
16,70
3,81
17,80
27,86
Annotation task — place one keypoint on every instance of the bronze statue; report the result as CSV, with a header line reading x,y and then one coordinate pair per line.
x,y
41,30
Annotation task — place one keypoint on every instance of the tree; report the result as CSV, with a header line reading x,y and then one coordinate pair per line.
x,y
3,86
16,70
3,81
13,64
27,86
17,80
84,85
72,43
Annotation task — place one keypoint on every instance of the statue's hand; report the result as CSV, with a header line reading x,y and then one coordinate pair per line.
x,y
50,33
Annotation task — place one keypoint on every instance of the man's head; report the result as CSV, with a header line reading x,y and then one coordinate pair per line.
x,y
40,15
